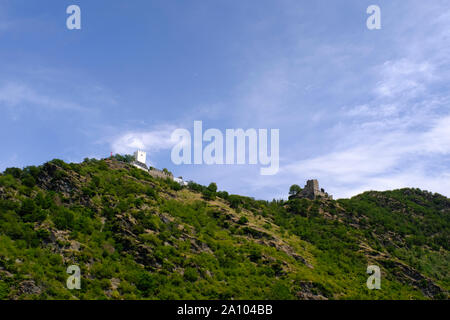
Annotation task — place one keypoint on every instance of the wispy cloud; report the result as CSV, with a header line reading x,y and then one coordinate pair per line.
x,y
13,95
379,158
404,77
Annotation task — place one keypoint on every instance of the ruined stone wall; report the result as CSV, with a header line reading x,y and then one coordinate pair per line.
x,y
159,174
312,186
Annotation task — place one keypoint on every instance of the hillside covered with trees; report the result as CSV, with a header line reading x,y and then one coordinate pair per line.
x,y
138,237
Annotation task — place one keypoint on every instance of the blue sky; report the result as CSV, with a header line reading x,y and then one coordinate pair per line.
x,y
357,109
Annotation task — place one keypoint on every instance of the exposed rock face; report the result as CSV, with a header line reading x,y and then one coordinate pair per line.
x,y
311,191
49,179
408,275
310,291
29,287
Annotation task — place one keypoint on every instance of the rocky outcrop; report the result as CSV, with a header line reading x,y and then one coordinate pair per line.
x,y
410,276
310,291
54,178
29,287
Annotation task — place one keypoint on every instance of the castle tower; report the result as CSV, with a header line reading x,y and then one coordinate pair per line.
x,y
140,156
312,191
313,186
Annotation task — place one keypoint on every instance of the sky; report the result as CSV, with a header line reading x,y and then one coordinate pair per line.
x,y
357,109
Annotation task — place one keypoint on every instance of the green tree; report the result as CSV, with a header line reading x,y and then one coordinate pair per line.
x,y
294,189
15,172
208,194
212,187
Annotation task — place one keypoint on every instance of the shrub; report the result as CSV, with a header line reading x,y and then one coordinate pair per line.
x,y
146,283
190,274
243,220
212,187
8,181
280,292
208,195
29,181
4,290
15,172
234,201
223,194
27,208
63,218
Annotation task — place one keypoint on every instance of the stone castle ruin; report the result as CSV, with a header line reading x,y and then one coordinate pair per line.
x,y
311,191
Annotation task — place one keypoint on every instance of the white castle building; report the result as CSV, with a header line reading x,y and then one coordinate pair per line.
x,y
140,162
140,156
140,159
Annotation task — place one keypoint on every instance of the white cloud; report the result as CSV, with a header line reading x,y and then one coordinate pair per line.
x,y
365,110
155,140
438,138
404,76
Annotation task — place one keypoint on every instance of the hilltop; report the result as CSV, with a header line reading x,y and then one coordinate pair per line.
x,y
136,236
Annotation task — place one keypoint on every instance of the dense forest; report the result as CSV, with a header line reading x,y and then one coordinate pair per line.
x,y
138,237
